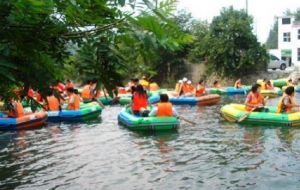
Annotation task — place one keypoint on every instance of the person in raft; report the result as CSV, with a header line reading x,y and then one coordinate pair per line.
x,y
287,102
188,89
269,85
255,101
52,103
290,82
139,101
15,109
144,82
153,86
88,91
263,84
217,84
69,84
238,84
178,88
164,108
200,88
74,100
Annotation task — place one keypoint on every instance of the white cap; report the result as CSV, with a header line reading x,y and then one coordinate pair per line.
x,y
180,81
189,82
184,79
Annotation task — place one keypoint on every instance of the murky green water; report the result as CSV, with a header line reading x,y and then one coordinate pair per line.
x,y
213,155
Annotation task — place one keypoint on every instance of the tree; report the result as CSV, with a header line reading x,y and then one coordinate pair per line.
x,y
231,47
272,41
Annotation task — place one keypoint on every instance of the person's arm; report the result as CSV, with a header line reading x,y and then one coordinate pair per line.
x,y
153,112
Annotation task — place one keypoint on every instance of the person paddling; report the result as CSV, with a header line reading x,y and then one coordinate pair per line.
x,y
200,88
139,101
164,108
287,102
255,101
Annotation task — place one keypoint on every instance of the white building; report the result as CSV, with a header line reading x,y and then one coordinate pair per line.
x,y
289,39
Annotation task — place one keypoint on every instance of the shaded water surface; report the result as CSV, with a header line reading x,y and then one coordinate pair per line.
x,y
214,154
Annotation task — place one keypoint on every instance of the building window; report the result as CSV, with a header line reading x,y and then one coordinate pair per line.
x,y
298,34
286,21
286,36
298,54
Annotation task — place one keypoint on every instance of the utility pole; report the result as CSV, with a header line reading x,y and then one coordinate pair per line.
x,y
247,6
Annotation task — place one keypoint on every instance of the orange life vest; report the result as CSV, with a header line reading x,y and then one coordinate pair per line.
x,y
255,99
187,88
283,108
139,101
76,104
153,86
200,90
53,103
18,110
164,109
86,92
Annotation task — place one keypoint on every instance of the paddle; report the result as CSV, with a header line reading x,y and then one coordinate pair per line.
x,y
247,114
186,120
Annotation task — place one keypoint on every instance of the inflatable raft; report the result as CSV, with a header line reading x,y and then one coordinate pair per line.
x,y
229,90
271,93
205,100
87,112
277,83
232,112
28,121
130,121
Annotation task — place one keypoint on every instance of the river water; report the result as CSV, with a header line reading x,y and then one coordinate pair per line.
x,y
214,154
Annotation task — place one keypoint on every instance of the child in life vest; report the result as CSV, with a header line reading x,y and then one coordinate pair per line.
x,y
164,108
139,101
255,101
200,88
287,102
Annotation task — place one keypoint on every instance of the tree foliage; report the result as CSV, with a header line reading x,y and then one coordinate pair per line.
x,y
272,41
231,47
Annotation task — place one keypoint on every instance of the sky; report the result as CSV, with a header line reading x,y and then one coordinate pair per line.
x,y
263,11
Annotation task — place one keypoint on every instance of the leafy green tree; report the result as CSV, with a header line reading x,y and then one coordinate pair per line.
x,y
231,47
272,41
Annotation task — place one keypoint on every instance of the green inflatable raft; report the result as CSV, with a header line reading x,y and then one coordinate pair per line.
x,y
127,119
233,112
277,83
